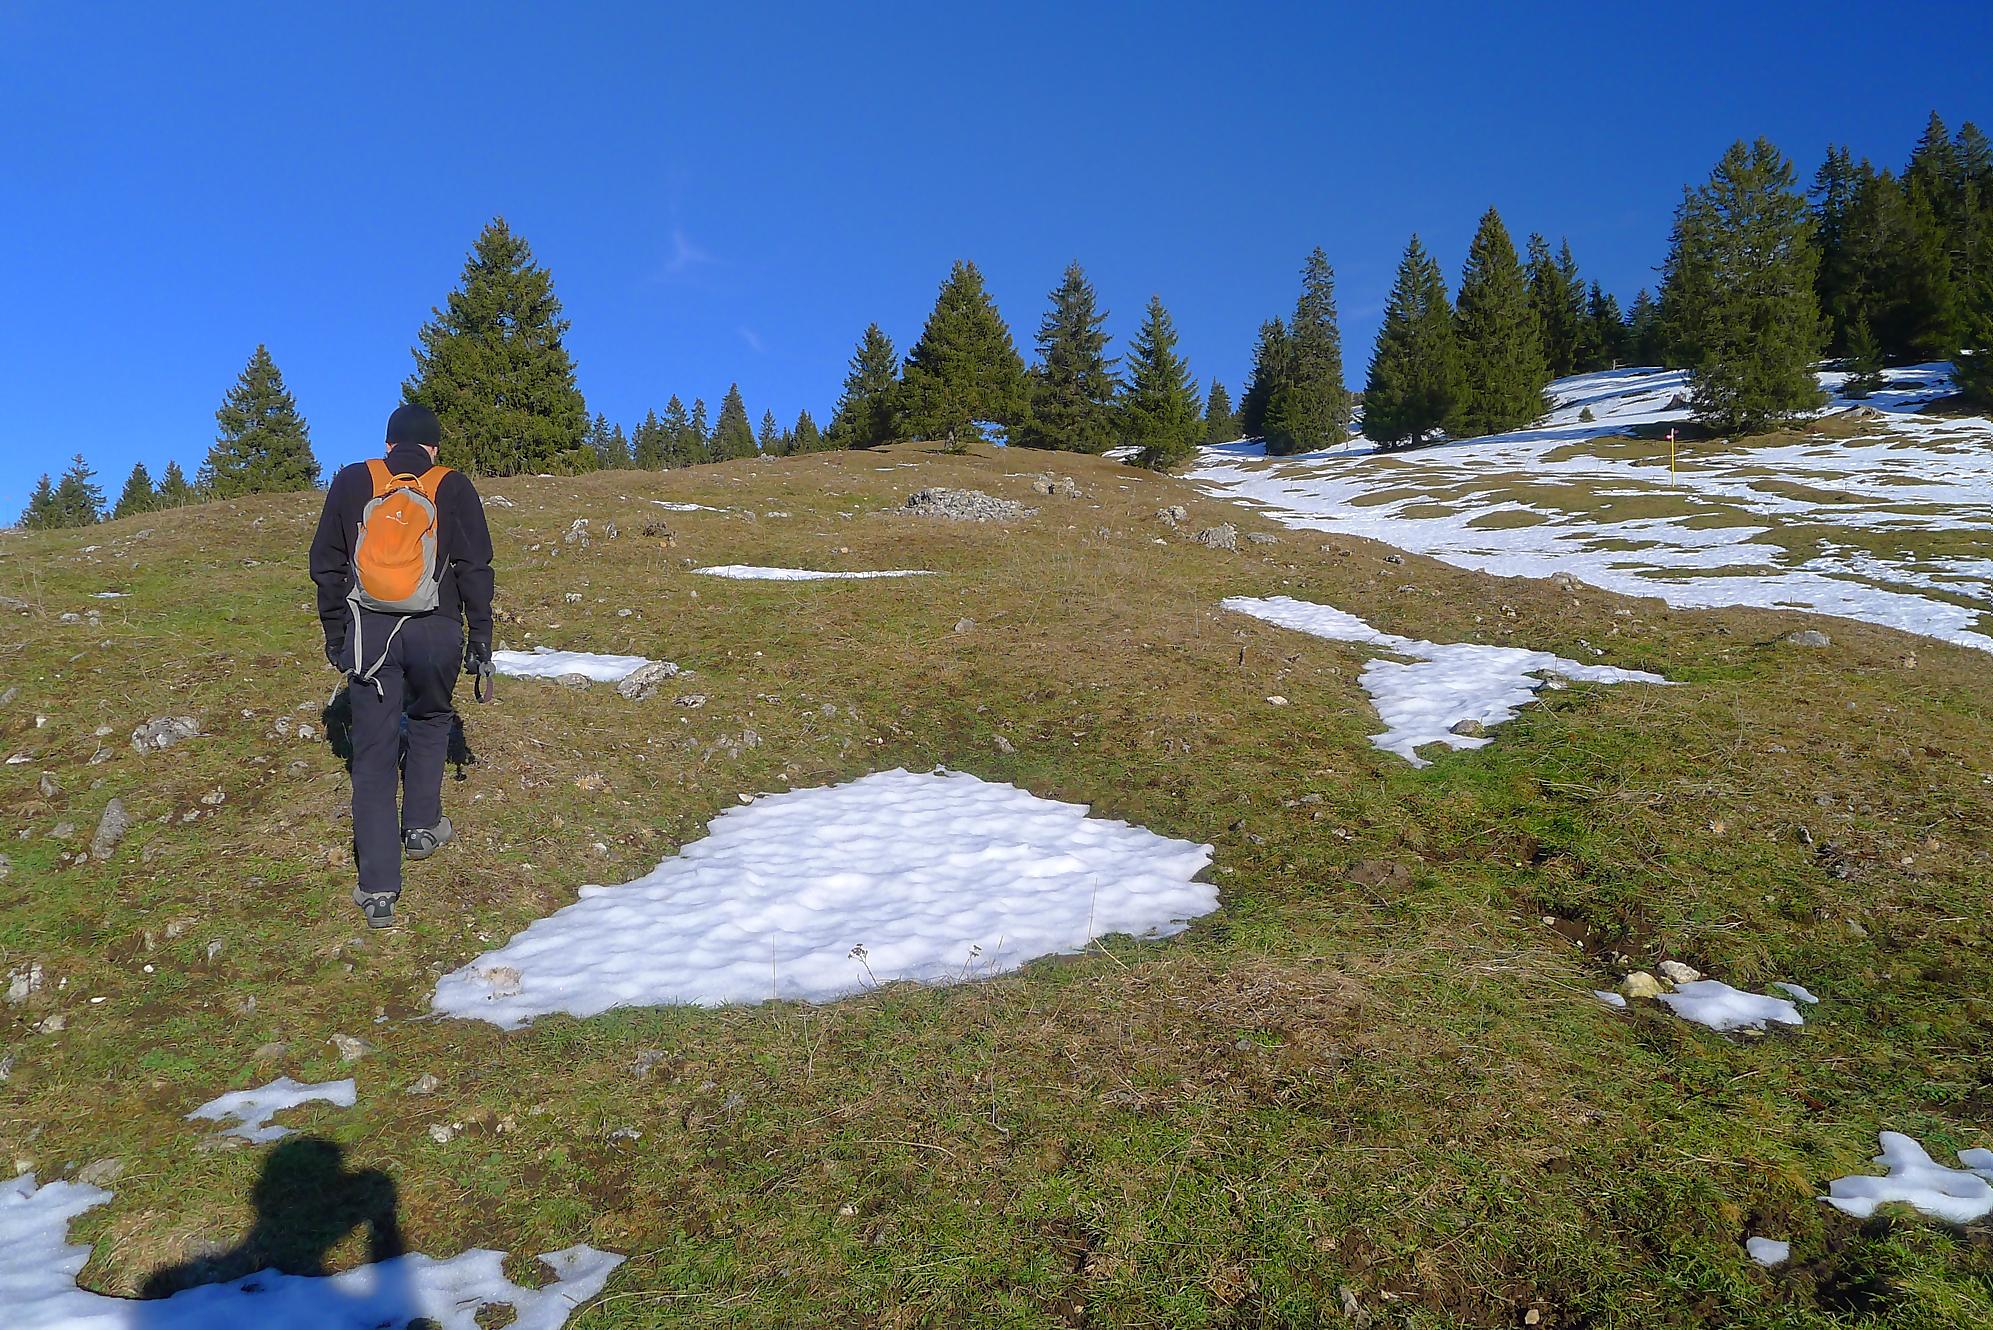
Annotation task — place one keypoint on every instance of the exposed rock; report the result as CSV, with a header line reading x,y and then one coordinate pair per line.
x,y
573,680
1174,515
1564,582
645,1061
577,533
691,699
1394,558
497,501
351,1049
1003,745
609,531
111,829
964,624
442,1133
1386,873
6,867
964,506
24,982
62,831
1640,984
1262,538
271,1051
1675,972
7,697
1063,487
1224,536
425,1084
643,685
100,1173
1468,729
47,786
163,732
1809,637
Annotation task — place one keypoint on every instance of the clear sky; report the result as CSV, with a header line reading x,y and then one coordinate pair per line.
x,y
731,192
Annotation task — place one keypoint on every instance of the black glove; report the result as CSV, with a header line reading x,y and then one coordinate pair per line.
x,y
333,652
477,657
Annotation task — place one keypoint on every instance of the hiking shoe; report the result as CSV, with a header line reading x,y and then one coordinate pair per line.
x,y
421,842
378,906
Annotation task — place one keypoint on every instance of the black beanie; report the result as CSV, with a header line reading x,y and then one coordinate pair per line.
x,y
413,423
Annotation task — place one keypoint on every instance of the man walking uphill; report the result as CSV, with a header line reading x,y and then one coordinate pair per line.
x,y
402,560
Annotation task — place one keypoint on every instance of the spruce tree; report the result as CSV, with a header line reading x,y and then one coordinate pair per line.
x,y
262,445
1501,354
1833,195
1415,385
494,368
733,437
1309,408
41,513
79,500
610,446
1160,408
137,496
681,446
1269,367
1863,362
174,491
1221,423
649,444
806,437
1558,298
1643,330
769,439
1072,388
1747,320
865,413
964,372
1603,343
700,439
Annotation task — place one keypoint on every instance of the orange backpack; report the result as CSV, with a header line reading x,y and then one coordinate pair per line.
x,y
395,557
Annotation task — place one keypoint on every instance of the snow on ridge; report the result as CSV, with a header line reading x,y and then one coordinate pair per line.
x,y
1922,473
820,893
1956,1195
39,1266
253,1109
547,663
747,572
1444,685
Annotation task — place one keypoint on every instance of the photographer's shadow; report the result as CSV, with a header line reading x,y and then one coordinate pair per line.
x,y
307,1202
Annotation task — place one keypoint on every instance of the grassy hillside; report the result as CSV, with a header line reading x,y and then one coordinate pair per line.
x,y
1372,1089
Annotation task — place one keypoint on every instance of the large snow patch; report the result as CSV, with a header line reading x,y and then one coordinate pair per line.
x,y
1443,685
546,663
39,1265
748,572
817,894
1957,1195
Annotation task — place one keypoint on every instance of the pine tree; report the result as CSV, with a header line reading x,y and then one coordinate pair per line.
x,y
1309,408
1558,298
964,372
79,500
262,445
1072,388
649,444
733,437
1269,367
494,369
1748,317
769,440
1221,423
1864,360
865,413
1415,385
681,446
806,437
1603,342
1500,352
1160,408
137,496
1833,195
700,439
607,442
174,491
41,512
1643,330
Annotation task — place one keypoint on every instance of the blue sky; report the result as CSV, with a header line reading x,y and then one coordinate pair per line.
x,y
732,192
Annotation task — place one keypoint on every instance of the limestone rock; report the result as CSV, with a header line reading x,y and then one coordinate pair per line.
x,y
643,685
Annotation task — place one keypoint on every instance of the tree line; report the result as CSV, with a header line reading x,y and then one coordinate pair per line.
x,y
1760,282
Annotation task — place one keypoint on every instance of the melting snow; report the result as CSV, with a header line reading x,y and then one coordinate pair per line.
x,y
1768,1251
1956,1195
1420,702
748,572
546,663
686,507
820,893
38,1269
254,1108
1716,1004
1536,502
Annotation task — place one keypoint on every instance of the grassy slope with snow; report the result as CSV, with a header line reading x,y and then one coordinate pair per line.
x,y
1390,1080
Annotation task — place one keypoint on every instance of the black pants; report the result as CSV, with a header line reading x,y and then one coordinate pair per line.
x,y
416,680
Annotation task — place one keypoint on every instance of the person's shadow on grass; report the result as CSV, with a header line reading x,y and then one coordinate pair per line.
x,y
307,1202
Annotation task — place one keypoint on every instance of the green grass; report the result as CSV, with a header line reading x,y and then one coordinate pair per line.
x,y
1403,1092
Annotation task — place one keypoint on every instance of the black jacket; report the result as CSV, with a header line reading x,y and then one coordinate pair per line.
x,y
463,541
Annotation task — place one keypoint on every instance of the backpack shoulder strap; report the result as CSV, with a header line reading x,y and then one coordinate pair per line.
x,y
430,481
383,478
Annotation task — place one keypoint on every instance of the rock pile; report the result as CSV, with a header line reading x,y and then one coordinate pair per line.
x,y
964,506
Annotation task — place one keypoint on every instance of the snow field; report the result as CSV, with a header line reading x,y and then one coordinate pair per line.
x,y
39,1265
747,572
820,893
546,663
253,1109
1420,701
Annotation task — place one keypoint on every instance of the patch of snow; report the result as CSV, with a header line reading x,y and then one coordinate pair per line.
x,y
669,506
1956,1195
546,663
1716,1004
1444,684
112,595
1768,1252
1610,998
748,572
254,1108
820,893
1475,503
1796,992
39,1265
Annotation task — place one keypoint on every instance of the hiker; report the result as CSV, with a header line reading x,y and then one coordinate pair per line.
x,y
402,560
